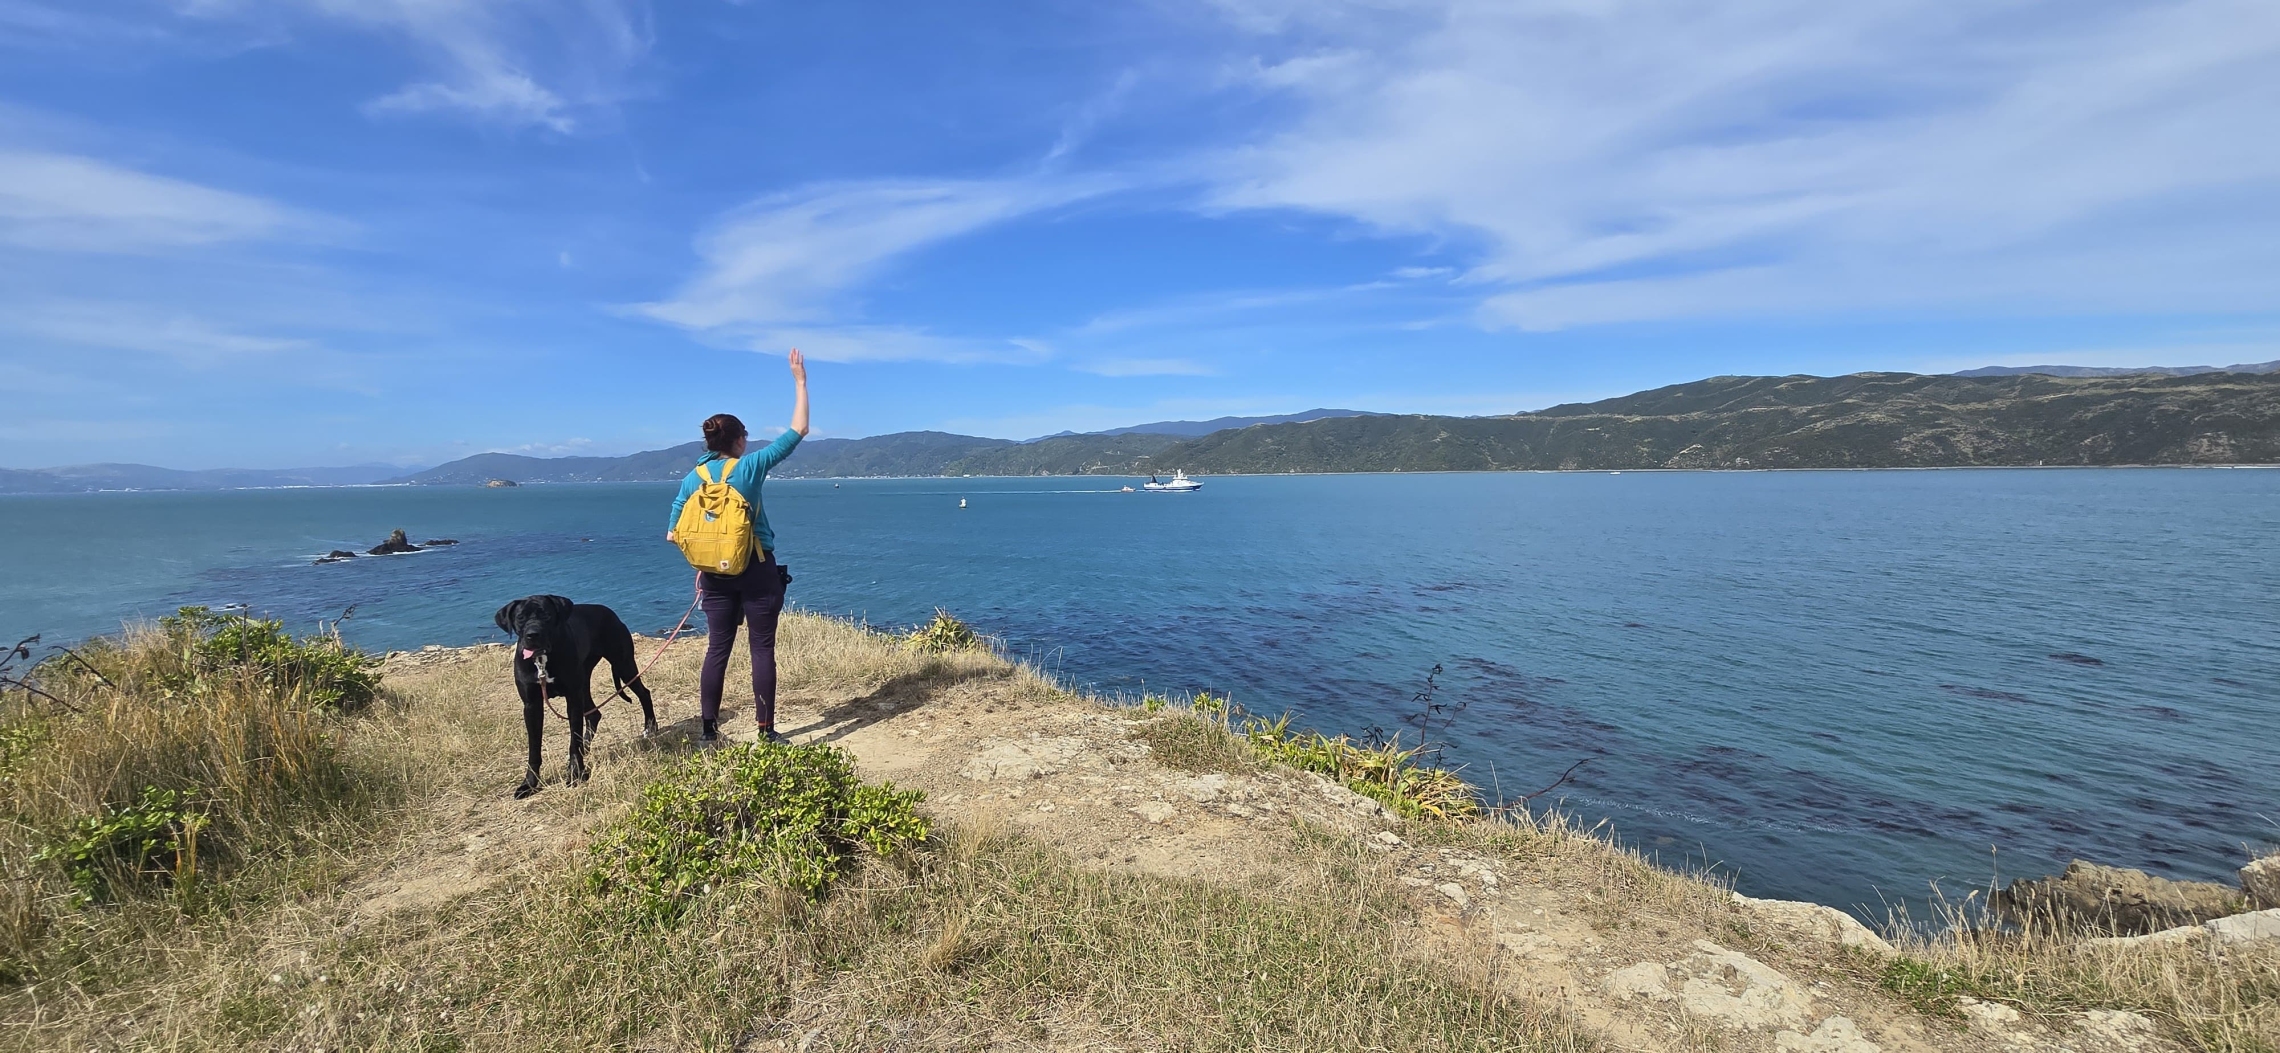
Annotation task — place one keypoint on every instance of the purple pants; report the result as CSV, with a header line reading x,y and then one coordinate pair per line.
x,y
754,599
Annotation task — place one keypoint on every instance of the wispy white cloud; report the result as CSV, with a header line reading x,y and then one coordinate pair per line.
x,y
507,62
181,335
73,203
785,270
1626,160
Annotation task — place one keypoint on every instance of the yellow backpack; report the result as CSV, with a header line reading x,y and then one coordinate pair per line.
x,y
715,531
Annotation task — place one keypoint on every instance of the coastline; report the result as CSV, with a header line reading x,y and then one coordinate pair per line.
x,y
1095,872
1225,475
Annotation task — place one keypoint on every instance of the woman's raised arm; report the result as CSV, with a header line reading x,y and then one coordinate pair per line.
x,y
799,393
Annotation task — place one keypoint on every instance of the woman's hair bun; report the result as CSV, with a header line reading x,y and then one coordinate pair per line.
x,y
721,432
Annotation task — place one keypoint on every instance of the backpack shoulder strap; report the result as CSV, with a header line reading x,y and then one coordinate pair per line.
x,y
704,476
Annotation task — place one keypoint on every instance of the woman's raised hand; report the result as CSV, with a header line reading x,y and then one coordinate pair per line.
x,y
799,366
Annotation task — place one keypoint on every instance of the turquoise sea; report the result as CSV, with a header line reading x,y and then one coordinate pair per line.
x,y
1838,686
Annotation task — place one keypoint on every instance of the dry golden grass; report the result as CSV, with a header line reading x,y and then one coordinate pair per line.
x,y
982,940
2223,1000
984,937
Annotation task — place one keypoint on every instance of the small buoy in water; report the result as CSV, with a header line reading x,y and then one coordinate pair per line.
x,y
961,502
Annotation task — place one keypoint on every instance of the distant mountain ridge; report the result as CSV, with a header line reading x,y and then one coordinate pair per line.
x,y
1194,428
2120,371
83,478
1864,420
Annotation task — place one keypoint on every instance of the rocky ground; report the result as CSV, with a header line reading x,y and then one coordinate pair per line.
x,y
1645,959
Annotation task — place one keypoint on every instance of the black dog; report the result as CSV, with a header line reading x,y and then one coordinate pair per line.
x,y
557,645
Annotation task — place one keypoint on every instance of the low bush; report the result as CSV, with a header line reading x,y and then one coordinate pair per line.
x,y
943,634
789,815
134,765
320,668
155,837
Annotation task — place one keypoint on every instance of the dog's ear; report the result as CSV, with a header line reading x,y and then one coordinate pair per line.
x,y
505,619
556,608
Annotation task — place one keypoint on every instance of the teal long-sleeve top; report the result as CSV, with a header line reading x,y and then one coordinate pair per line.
x,y
751,470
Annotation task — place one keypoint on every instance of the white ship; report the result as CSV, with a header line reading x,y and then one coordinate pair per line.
x,y
1178,483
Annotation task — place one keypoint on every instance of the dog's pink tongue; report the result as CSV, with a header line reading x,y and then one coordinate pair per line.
x,y
527,652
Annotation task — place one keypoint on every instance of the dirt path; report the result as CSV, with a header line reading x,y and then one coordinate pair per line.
x,y
1650,960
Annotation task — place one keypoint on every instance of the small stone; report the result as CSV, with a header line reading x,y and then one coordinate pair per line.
x,y
1157,812
1455,892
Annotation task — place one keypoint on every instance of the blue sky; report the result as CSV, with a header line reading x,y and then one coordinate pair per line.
x,y
293,232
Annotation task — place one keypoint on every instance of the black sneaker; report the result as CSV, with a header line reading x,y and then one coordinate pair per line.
x,y
774,737
709,734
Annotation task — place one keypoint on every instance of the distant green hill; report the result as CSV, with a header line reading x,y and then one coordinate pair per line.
x,y
1866,420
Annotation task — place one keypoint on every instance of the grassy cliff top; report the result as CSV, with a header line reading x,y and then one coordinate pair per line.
x,y
1098,877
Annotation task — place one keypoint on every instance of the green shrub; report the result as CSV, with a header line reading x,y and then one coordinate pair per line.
x,y
1211,733
17,740
944,633
790,815
329,673
157,835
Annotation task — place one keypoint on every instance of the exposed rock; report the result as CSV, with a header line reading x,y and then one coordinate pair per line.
x,y
2183,935
1389,839
1157,812
440,541
2114,900
1014,761
2119,1027
2261,880
1204,788
498,484
396,543
336,556
1991,1016
2255,927
1533,945
1816,922
1456,894
1719,986
1345,797
1837,1034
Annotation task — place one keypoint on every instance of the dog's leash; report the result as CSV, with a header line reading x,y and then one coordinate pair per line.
x,y
617,689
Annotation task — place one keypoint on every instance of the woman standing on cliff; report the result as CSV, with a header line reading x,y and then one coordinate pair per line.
x,y
754,598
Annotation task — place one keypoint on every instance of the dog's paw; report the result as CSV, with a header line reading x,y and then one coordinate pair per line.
x,y
577,775
524,791
649,730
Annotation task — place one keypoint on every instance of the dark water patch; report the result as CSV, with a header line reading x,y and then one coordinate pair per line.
x,y
1989,694
2227,681
2072,658
2163,713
